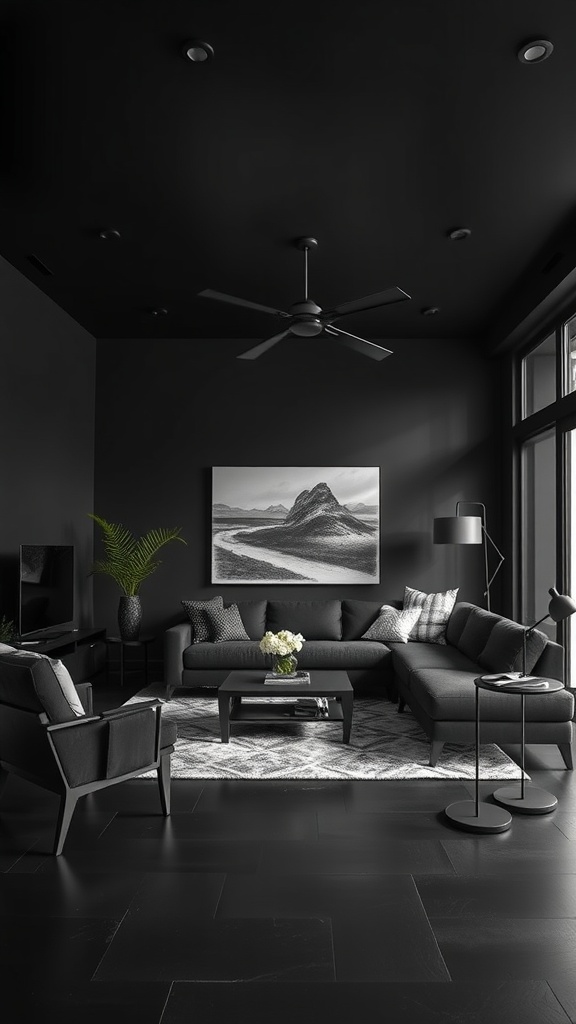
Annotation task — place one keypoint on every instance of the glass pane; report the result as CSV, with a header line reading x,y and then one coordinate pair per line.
x,y
570,375
570,498
539,528
539,376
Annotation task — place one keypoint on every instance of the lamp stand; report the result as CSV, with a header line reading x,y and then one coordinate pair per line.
x,y
486,537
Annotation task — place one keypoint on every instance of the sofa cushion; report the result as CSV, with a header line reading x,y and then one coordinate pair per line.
x,y
357,617
430,628
457,621
393,625
32,680
476,632
315,620
451,696
413,656
196,611
225,624
503,650
253,615
320,654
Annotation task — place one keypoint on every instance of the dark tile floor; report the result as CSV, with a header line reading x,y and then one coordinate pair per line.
x,y
285,901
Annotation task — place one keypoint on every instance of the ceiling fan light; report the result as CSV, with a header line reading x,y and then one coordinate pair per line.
x,y
535,51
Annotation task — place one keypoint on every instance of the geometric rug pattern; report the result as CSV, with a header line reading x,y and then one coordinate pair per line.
x,y
383,745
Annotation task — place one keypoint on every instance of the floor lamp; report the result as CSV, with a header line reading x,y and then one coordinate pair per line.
x,y
465,529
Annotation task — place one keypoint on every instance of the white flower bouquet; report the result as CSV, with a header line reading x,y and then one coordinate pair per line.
x,y
281,647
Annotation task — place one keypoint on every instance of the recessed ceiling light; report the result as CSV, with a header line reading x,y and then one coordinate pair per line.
x,y
110,235
457,234
197,51
430,310
535,51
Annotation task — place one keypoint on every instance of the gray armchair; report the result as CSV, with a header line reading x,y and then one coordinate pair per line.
x,y
44,740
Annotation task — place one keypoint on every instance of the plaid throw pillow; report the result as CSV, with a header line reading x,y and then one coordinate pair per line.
x,y
393,625
226,624
436,609
196,611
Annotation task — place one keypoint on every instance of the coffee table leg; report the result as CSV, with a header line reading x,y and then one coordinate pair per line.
x,y
347,705
224,716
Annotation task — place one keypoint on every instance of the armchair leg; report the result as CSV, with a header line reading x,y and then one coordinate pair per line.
x,y
67,806
164,783
566,751
435,751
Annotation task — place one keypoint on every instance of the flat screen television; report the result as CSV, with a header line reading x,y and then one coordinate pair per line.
x,y
46,590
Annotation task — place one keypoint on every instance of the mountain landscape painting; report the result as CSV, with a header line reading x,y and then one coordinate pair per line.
x,y
295,524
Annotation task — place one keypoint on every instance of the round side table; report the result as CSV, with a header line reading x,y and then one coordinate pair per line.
x,y
525,798
471,815
142,641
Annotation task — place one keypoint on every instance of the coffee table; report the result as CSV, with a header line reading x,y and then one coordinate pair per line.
x,y
250,683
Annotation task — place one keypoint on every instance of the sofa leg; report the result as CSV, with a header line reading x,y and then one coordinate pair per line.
x,y
401,705
566,751
164,783
169,692
435,751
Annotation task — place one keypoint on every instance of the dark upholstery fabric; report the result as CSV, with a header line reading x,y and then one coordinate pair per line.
x,y
130,742
457,621
323,654
253,615
316,620
415,655
29,682
357,617
83,752
503,650
476,632
168,734
451,697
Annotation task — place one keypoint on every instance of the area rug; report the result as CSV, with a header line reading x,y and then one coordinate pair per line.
x,y
383,745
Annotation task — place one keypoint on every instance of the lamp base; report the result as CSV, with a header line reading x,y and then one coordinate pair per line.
x,y
489,818
534,801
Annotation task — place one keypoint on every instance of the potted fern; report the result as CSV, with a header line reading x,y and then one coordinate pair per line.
x,y
130,561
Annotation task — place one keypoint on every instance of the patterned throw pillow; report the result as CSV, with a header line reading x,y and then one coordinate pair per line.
x,y
226,624
196,611
393,625
436,610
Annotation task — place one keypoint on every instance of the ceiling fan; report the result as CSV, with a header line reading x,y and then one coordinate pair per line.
x,y
307,319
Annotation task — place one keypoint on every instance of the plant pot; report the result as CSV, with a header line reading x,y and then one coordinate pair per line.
x,y
129,617
284,664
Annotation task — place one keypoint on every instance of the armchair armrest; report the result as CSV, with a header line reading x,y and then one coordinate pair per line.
x,y
75,723
176,640
131,709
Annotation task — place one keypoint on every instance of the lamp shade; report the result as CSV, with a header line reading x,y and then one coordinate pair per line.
x,y
561,605
458,530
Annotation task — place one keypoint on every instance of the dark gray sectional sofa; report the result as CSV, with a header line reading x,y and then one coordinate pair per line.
x,y
435,680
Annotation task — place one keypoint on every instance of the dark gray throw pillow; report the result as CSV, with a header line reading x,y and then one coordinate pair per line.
x,y
196,611
503,651
316,620
226,624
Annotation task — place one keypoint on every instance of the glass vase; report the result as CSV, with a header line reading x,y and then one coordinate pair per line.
x,y
284,664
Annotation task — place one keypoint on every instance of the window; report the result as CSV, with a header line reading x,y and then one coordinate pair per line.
x,y
538,527
539,376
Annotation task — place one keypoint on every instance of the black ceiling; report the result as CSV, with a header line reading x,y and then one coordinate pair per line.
x,y
375,126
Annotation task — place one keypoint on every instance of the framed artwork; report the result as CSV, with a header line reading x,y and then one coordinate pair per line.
x,y
294,524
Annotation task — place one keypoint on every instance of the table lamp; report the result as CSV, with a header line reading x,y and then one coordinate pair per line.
x,y
461,529
561,607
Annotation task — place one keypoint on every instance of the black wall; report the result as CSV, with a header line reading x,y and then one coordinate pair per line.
x,y
167,411
47,377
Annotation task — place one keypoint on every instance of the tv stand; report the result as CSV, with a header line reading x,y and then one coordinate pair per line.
x,y
82,651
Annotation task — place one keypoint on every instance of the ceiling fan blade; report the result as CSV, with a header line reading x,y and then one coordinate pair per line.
x,y
367,348
368,302
253,353
208,293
